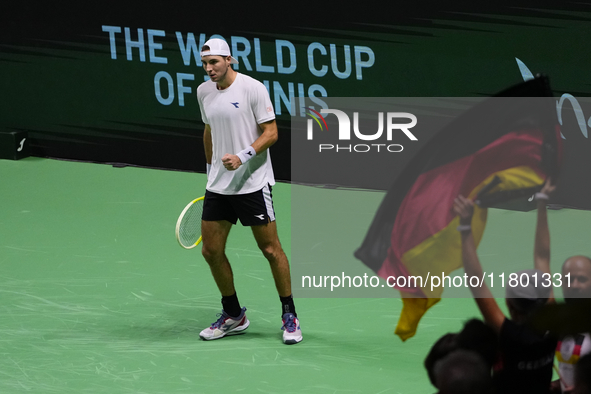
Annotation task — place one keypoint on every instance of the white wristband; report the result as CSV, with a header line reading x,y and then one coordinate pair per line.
x,y
464,227
541,196
246,154
207,168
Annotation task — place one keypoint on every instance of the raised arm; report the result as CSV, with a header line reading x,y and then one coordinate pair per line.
x,y
488,306
542,241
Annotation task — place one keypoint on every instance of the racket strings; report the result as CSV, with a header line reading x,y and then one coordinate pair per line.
x,y
190,226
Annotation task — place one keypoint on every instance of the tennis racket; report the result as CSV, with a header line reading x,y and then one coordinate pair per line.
x,y
188,226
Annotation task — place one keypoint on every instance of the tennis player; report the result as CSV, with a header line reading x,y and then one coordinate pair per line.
x,y
239,129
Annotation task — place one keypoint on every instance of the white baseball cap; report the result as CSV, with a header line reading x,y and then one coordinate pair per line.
x,y
218,47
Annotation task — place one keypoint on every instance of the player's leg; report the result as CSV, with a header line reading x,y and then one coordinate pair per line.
x,y
215,235
215,228
268,242
256,210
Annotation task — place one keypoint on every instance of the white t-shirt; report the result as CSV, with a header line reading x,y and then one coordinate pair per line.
x,y
568,352
234,115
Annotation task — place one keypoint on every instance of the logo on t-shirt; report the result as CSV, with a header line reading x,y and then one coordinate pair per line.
x,y
235,104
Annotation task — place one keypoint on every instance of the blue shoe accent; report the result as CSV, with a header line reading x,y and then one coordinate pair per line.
x,y
292,332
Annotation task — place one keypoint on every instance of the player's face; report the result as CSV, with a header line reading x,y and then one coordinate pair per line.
x,y
579,269
216,67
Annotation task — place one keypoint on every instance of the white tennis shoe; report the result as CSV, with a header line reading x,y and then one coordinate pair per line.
x,y
225,325
292,332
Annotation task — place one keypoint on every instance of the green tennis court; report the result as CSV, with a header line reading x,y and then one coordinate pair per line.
x,y
98,297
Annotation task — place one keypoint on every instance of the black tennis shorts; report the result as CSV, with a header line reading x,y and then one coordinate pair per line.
x,y
252,209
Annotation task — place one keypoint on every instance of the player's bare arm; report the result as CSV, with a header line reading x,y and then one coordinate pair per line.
x,y
489,308
268,137
207,144
542,241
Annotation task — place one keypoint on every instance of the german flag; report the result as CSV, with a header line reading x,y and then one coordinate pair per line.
x,y
499,151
